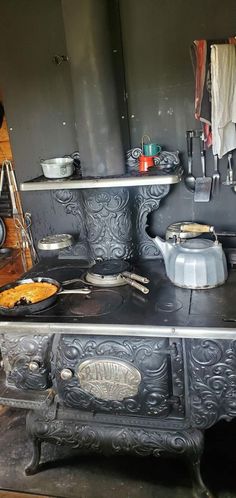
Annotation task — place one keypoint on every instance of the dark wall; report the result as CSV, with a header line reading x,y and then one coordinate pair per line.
x,y
156,36
37,95
39,103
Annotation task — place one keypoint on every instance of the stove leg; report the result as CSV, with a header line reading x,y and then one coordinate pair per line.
x,y
199,488
194,453
33,467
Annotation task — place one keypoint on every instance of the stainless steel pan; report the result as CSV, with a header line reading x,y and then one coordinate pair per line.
x,y
27,309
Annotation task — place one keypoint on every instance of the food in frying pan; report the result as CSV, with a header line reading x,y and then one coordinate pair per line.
x,y
27,293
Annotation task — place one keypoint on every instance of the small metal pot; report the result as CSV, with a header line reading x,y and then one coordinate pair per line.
x,y
58,167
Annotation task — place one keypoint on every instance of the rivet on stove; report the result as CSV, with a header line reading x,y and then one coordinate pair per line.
x,y
66,374
33,366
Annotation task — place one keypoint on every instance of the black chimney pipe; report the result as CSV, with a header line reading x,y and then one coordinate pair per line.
x,y
96,108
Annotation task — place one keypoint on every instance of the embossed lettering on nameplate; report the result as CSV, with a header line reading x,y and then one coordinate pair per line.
x,y
109,379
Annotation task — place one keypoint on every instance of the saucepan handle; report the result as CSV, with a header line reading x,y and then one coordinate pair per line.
x,y
85,290
135,284
197,228
72,280
136,277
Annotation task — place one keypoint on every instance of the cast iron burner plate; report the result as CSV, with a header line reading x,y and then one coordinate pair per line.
x,y
169,306
99,302
107,273
112,267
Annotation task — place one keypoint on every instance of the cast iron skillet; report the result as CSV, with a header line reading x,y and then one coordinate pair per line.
x,y
27,309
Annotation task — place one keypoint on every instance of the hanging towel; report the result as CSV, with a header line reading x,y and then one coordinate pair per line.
x,y
201,58
223,90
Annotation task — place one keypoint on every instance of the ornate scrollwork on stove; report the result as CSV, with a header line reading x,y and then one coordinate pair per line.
x,y
73,205
19,352
146,200
156,389
212,380
115,439
108,222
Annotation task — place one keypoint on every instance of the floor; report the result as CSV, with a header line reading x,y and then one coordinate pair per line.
x,y
70,475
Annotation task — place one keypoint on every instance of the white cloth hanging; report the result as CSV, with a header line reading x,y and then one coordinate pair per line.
x,y
223,80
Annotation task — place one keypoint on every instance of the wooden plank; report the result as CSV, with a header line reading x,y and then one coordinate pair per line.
x,y
4,135
5,146
11,271
5,151
14,494
12,239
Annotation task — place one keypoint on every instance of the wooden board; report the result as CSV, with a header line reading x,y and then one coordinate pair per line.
x,y
11,271
4,135
5,151
5,146
14,494
11,238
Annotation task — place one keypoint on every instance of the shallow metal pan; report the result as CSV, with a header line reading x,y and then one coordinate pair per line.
x,y
27,309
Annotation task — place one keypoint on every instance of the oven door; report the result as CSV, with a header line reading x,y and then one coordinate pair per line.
x,y
122,375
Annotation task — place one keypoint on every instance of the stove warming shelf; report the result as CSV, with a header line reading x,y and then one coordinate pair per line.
x,y
42,183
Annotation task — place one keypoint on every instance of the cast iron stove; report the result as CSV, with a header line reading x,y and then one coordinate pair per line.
x,y
118,371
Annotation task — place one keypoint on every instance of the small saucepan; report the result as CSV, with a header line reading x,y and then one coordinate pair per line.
x,y
26,309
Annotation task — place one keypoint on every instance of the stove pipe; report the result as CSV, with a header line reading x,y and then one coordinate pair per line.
x,y
95,100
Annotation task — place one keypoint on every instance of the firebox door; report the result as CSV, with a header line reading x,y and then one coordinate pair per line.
x,y
122,375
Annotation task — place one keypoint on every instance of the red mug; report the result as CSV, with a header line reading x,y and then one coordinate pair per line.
x,y
145,162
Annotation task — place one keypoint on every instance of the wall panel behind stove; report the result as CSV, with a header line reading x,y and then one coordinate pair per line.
x,y
156,38
37,97
160,86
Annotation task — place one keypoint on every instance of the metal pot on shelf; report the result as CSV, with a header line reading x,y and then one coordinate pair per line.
x,y
58,167
194,263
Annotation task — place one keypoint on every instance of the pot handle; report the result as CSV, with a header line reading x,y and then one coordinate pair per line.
x,y
143,138
134,276
197,228
85,290
135,284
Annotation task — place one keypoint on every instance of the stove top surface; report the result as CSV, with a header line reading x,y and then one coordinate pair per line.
x,y
165,305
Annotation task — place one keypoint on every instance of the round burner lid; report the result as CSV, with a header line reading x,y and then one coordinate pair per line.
x,y
55,242
98,303
110,267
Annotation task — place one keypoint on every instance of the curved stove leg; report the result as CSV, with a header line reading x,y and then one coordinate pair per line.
x,y
199,488
33,467
194,452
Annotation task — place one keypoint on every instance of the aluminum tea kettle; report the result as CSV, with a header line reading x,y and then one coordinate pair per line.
x,y
194,263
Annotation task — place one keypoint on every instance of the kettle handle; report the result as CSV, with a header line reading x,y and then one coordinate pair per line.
x,y
197,228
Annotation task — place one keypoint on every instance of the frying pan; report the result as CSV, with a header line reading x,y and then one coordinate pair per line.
x,y
26,309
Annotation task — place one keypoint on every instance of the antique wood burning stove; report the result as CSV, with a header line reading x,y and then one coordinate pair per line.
x,y
119,372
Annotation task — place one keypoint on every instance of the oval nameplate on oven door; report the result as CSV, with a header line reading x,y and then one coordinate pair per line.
x,y
109,379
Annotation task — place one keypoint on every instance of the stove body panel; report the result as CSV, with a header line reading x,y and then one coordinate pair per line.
x,y
26,360
159,390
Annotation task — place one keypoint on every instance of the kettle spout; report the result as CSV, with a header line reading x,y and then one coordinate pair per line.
x,y
164,247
